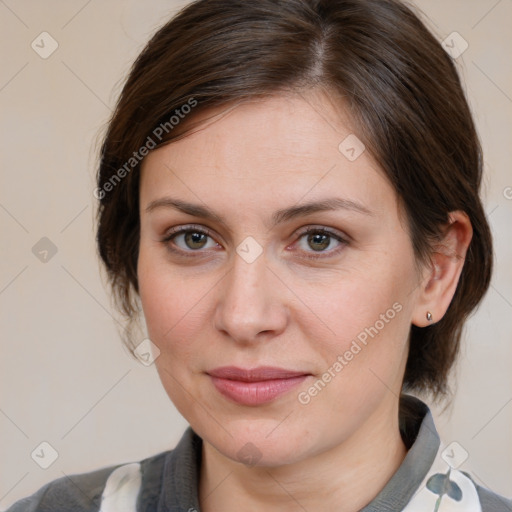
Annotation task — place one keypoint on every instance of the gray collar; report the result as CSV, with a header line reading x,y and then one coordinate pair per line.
x,y
420,457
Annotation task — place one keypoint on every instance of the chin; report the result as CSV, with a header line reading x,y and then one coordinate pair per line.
x,y
262,444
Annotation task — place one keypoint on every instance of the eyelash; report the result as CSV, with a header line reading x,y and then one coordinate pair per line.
x,y
197,229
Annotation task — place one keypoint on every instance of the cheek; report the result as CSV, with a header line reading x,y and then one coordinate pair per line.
x,y
153,297
368,313
364,302
174,314
174,308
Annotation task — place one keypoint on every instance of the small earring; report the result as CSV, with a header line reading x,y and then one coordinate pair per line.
x,y
429,316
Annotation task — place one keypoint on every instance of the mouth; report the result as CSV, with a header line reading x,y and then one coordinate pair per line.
x,y
255,386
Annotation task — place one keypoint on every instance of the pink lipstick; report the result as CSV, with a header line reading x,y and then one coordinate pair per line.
x,y
256,386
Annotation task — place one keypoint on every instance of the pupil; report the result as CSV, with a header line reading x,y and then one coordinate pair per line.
x,y
318,236
195,237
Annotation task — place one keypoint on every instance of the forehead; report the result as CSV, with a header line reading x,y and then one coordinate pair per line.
x,y
278,149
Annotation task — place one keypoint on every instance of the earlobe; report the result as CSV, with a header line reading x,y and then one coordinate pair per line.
x,y
440,283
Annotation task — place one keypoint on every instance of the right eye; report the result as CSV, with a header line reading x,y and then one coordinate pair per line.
x,y
185,240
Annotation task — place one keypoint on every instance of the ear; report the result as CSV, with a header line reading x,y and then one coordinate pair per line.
x,y
439,281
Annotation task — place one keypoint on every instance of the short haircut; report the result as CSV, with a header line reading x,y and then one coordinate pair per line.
x,y
398,84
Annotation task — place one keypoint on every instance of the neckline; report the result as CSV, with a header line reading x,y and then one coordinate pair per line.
x,y
181,472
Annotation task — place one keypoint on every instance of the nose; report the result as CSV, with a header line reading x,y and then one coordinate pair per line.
x,y
251,304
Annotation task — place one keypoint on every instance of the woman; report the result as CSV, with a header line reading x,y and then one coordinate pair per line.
x,y
289,190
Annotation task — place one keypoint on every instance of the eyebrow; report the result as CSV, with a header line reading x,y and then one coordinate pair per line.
x,y
278,217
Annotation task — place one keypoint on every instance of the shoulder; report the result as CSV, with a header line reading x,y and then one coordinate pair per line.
x,y
109,488
489,500
79,492
431,467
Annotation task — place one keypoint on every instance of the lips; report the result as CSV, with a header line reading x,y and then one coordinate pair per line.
x,y
255,386
257,374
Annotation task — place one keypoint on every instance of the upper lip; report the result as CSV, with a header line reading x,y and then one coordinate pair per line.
x,y
255,374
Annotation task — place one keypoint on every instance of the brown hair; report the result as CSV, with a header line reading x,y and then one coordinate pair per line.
x,y
400,87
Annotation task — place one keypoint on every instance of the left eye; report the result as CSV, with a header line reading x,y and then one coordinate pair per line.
x,y
319,238
196,238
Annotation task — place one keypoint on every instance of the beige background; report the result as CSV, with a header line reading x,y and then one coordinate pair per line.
x,y
65,377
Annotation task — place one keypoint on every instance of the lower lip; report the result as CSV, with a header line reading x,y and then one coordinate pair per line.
x,y
255,393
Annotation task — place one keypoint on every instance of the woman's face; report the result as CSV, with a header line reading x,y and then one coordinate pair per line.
x,y
249,288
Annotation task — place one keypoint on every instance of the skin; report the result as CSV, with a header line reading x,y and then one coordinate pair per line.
x,y
215,309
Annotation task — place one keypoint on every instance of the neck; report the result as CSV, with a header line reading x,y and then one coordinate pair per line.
x,y
345,478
